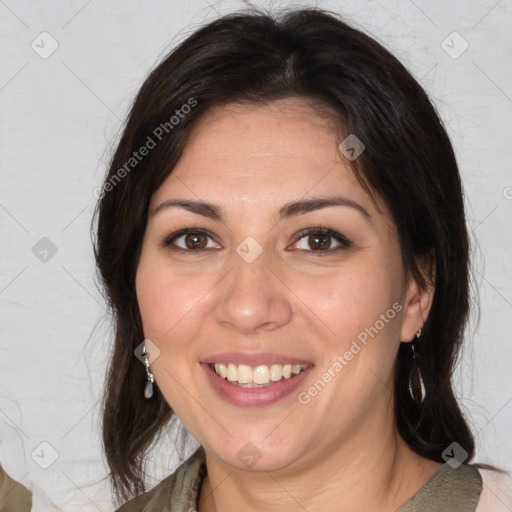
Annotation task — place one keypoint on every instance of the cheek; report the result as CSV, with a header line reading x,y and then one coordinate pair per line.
x,y
170,308
165,299
349,301
359,312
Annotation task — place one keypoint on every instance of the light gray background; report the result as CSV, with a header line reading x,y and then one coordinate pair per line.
x,y
60,116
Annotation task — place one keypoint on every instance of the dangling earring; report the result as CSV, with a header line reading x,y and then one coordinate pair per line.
x,y
148,390
415,380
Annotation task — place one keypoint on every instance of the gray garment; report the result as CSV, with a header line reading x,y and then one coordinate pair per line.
x,y
453,490
178,492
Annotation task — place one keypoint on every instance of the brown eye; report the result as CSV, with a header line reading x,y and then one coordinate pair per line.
x,y
319,242
190,240
195,241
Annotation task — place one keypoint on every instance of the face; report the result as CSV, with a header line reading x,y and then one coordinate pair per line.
x,y
264,256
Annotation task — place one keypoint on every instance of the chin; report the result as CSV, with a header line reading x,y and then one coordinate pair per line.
x,y
256,453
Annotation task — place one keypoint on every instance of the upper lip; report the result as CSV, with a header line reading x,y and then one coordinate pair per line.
x,y
253,359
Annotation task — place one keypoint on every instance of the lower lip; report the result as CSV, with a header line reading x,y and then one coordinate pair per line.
x,y
253,397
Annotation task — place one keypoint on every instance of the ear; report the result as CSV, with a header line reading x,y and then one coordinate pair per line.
x,y
418,300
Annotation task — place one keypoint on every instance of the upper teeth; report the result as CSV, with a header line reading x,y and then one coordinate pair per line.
x,y
260,374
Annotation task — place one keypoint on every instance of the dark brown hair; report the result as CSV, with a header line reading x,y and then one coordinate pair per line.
x,y
408,163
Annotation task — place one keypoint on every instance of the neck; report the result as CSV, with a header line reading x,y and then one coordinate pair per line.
x,y
376,470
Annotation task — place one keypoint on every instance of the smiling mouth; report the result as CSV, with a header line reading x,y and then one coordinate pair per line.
x,y
258,376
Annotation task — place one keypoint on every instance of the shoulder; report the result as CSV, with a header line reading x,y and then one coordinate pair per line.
x,y
456,489
181,489
496,492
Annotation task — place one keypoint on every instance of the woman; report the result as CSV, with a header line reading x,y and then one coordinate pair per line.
x,y
281,236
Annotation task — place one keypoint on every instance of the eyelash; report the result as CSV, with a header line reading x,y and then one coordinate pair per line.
x,y
344,242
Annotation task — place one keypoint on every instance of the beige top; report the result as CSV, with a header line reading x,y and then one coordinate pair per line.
x,y
14,497
454,490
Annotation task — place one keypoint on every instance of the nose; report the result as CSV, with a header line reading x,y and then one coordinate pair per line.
x,y
252,298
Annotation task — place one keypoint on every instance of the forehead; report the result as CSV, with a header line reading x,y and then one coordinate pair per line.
x,y
260,156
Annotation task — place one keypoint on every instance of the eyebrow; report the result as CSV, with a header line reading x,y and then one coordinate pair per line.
x,y
289,210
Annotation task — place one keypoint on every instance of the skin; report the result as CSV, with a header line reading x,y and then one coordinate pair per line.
x,y
250,161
